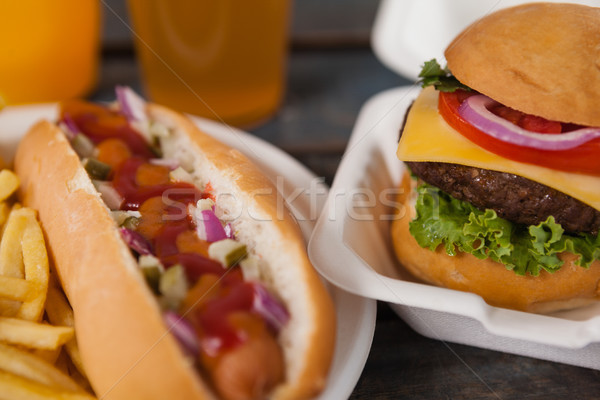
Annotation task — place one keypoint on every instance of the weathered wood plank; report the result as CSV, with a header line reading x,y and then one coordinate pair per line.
x,y
405,365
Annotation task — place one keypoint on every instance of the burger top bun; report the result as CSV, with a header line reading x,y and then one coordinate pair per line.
x,y
540,58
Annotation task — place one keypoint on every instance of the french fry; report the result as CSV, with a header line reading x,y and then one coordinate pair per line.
x,y
11,255
62,362
11,258
30,351
32,334
4,210
80,379
9,210
24,279
14,387
58,309
17,289
60,313
9,182
57,306
26,365
48,355
35,261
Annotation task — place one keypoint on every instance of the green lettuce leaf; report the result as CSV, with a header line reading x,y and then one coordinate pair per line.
x,y
432,74
459,226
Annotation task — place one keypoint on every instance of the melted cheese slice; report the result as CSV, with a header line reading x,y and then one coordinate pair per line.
x,y
428,137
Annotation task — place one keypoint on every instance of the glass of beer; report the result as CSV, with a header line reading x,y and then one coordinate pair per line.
x,y
220,59
49,49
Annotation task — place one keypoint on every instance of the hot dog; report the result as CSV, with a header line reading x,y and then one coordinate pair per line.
x,y
185,280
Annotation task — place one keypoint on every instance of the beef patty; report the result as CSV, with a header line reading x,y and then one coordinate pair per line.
x,y
513,197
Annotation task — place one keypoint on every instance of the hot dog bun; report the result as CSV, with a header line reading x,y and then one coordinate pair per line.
x,y
124,343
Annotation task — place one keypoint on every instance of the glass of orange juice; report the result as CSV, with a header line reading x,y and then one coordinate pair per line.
x,y
49,49
220,59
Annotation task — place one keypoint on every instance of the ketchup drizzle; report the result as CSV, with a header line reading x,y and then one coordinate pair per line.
x,y
211,318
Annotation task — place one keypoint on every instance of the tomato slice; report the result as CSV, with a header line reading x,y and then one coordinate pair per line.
x,y
527,121
583,159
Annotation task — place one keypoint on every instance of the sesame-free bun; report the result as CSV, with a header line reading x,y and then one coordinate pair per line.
x,y
126,347
540,58
571,286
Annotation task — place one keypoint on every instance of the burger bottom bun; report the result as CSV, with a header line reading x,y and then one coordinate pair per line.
x,y
570,287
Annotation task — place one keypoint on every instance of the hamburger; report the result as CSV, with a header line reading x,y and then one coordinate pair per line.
x,y
502,147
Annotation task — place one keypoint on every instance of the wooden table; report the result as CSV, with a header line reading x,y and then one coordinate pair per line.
x,y
332,72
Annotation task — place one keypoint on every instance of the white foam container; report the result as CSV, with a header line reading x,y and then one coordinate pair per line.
x,y
350,244
351,247
408,32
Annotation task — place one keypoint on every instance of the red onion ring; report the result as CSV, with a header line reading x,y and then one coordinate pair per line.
x,y
71,127
131,104
475,111
183,332
266,305
136,241
208,225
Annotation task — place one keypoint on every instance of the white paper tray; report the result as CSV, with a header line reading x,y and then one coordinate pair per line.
x,y
351,247
355,315
407,33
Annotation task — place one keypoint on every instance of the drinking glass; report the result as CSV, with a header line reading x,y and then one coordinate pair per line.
x,y
49,49
219,59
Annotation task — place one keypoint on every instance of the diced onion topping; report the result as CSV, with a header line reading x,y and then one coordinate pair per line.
x,y
111,197
71,127
170,163
208,226
131,104
181,175
266,305
229,231
475,110
136,241
183,332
